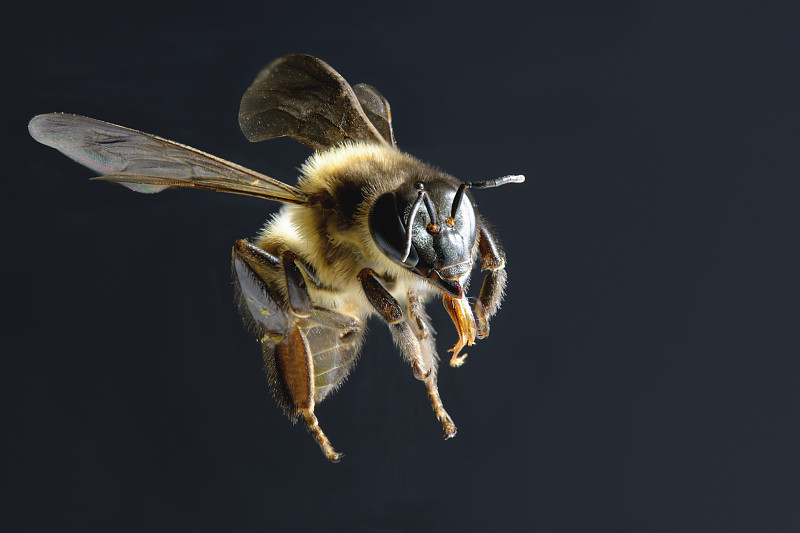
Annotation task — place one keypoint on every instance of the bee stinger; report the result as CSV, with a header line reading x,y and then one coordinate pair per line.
x,y
369,230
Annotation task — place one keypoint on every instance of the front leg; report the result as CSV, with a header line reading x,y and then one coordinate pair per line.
x,y
392,313
416,310
424,331
493,259
415,342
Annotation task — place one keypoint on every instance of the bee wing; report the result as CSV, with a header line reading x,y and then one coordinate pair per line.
x,y
149,164
376,107
304,98
335,353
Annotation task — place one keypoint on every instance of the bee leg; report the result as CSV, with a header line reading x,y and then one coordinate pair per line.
x,y
413,339
417,313
296,288
296,367
421,324
312,424
287,355
448,425
252,254
493,259
381,299
293,269
391,312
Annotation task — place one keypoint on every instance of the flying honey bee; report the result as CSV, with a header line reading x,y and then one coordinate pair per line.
x,y
369,230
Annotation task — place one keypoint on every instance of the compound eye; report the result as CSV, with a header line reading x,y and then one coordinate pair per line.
x,y
388,230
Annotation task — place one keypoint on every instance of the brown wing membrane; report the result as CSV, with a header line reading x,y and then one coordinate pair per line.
x,y
304,98
149,164
376,107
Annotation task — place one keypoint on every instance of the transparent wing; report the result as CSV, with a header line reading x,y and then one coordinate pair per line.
x,y
376,107
335,353
149,164
302,97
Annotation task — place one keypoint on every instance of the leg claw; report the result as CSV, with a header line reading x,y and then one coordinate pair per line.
x,y
334,457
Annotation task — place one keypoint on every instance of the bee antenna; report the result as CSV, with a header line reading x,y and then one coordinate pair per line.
x,y
422,198
457,200
488,184
410,221
432,215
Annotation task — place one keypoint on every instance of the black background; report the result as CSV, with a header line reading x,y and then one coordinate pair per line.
x,y
642,375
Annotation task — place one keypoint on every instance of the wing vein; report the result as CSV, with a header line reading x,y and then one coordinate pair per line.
x,y
148,163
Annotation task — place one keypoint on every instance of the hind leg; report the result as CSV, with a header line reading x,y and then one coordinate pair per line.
x,y
296,366
287,356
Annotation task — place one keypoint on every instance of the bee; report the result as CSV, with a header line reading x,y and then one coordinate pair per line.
x,y
368,230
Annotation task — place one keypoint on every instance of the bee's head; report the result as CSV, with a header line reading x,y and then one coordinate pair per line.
x,y
429,228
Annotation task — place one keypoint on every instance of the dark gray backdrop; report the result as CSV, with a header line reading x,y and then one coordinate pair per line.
x,y
642,375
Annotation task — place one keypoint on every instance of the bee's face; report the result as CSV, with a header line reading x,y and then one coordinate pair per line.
x,y
441,239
